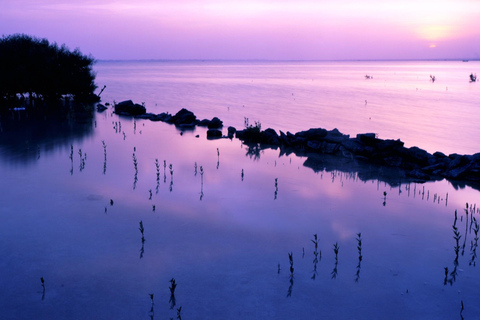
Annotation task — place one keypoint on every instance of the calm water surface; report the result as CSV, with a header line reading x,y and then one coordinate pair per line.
x,y
399,102
74,194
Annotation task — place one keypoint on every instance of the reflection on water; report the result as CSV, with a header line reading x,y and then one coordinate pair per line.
x,y
26,134
69,220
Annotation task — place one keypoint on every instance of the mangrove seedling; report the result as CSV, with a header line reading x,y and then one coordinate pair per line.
x,y
71,160
456,236
360,257
201,182
171,177
157,165
179,316
290,259
43,287
195,167
151,194
315,241
276,189
359,246
151,308
315,256
135,165
83,157
335,250
172,287
242,175
142,250
104,156
335,270
164,171
474,245
142,230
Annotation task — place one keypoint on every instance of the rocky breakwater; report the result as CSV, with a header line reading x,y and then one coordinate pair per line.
x,y
417,163
414,163
183,119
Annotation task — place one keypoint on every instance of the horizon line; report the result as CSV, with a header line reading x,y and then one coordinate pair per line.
x,y
284,60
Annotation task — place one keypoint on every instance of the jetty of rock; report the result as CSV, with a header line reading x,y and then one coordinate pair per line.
x,y
415,163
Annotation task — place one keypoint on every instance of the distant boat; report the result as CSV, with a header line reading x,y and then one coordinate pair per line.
x,y
464,60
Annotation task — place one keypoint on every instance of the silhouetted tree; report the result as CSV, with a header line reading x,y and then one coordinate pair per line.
x,y
44,71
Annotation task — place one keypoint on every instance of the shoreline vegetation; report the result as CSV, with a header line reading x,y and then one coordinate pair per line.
x,y
36,73
325,148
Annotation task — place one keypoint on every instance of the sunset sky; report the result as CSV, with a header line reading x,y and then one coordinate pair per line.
x,y
246,29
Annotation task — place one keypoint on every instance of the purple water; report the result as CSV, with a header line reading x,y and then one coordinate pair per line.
x,y
225,235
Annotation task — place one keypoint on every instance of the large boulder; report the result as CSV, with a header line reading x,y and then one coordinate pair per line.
x,y
231,132
215,123
127,107
183,117
312,134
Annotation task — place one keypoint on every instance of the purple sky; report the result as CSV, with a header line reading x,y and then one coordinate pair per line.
x,y
245,29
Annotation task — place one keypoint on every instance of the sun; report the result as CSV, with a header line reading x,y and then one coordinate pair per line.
x,y
433,45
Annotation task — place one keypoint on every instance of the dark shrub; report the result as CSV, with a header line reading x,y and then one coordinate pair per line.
x,y
34,67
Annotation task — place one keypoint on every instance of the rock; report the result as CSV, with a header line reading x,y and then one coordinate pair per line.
x,y
129,108
311,134
215,123
164,116
330,148
231,132
457,173
418,174
435,168
368,139
335,136
393,161
389,145
314,145
354,146
269,136
417,157
439,155
101,107
457,161
214,134
203,123
183,117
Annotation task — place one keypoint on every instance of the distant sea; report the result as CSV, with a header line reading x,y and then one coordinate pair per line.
x,y
397,100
